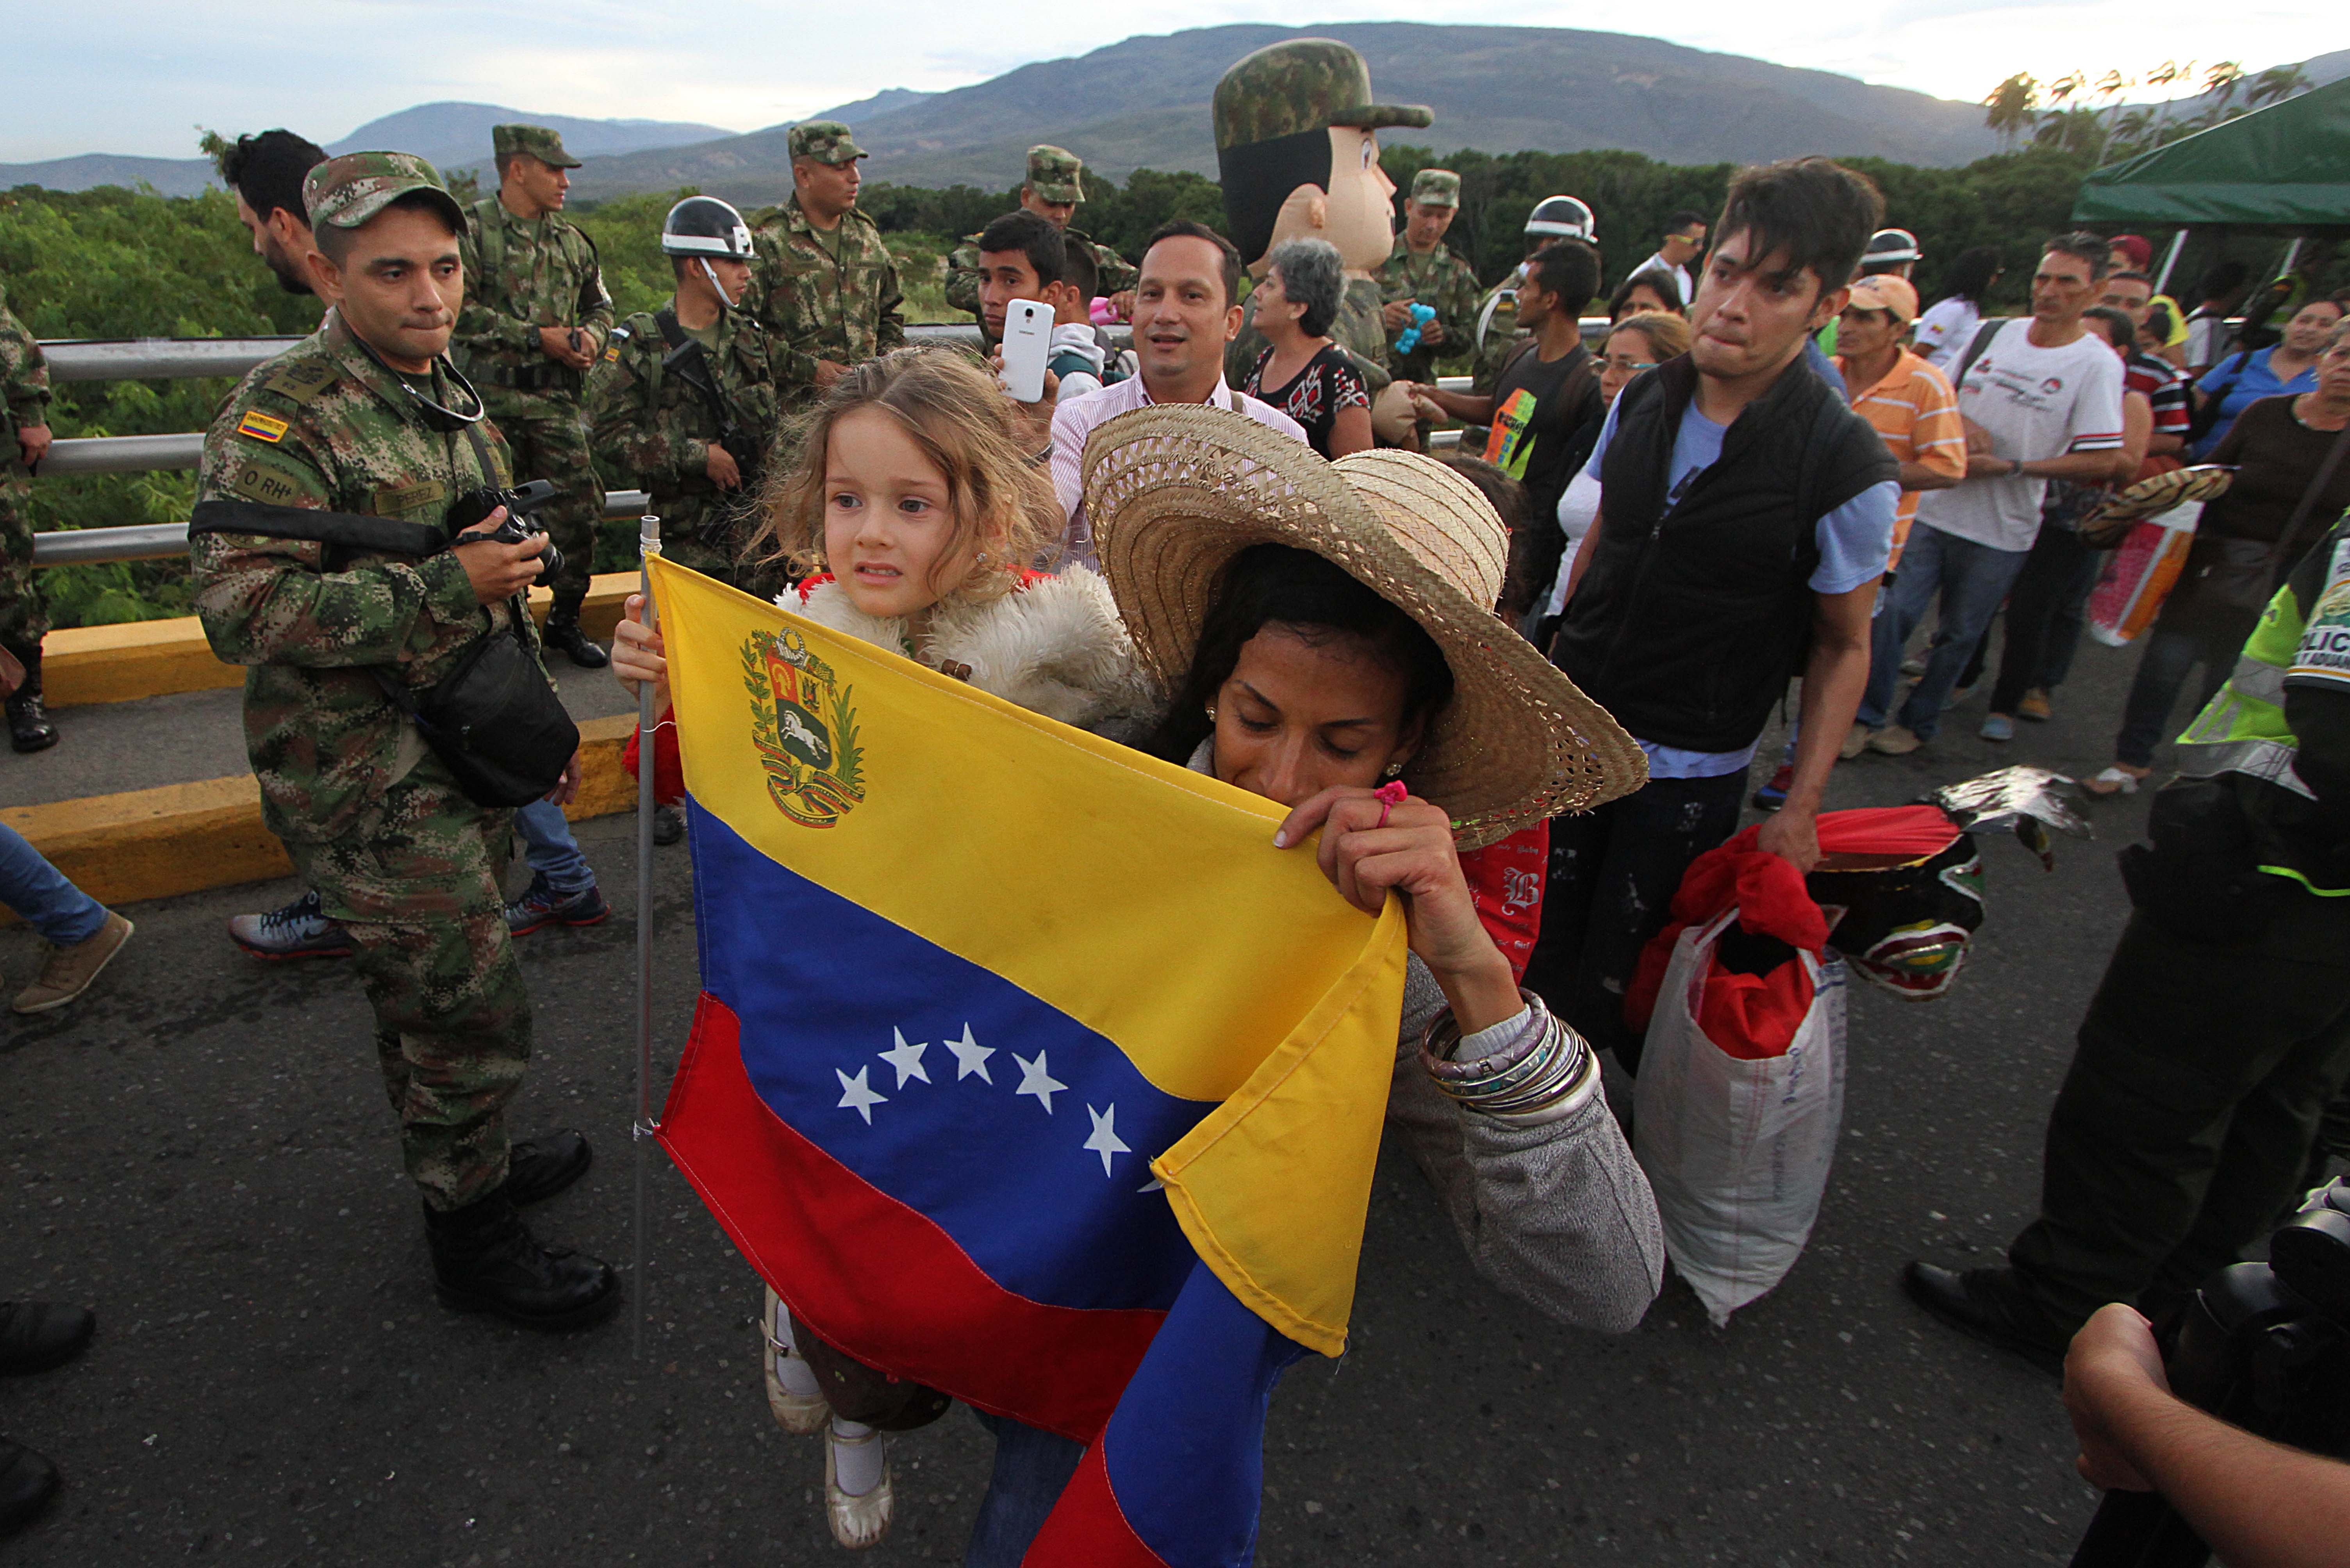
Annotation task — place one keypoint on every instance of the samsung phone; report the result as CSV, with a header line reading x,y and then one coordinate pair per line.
x,y
1027,343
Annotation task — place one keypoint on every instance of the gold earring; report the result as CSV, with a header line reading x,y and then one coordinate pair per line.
x,y
1211,715
1395,771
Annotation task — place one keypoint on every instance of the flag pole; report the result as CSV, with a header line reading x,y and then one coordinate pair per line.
x,y
643,1126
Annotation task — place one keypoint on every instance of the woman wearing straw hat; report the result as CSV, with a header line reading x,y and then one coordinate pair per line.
x,y
1326,637
1326,633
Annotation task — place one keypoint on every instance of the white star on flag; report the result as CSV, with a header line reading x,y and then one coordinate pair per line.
x,y
971,1057
856,1095
1105,1140
1035,1080
907,1059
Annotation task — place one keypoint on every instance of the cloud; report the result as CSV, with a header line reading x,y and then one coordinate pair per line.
x,y
136,76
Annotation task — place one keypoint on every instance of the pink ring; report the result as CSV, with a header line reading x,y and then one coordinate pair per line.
x,y
1390,796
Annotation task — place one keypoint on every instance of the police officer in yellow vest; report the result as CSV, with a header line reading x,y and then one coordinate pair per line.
x,y
2222,1027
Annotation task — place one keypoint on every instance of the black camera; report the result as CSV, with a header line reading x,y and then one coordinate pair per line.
x,y
522,503
2263,1345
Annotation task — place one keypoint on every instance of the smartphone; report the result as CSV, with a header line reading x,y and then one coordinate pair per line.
x,y
1027,343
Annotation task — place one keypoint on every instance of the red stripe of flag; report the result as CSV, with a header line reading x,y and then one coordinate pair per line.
x,y
1087,1528
852,1261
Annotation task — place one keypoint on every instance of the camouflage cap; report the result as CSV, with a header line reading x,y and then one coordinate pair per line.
x,y
1436,188
540,142
1303,84
1055,173
347,192
825,140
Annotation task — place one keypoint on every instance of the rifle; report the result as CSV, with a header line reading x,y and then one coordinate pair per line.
x,y
690,364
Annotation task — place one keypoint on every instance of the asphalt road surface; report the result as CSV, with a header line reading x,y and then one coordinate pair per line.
x,y
200,1150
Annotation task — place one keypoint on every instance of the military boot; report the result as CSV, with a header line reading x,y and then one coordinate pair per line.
x,y
29,729
562,633
484,1259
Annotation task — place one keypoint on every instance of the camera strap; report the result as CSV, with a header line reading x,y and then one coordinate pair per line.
x,y
344,530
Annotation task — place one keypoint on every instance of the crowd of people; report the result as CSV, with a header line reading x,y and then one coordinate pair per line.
x,y
1771,467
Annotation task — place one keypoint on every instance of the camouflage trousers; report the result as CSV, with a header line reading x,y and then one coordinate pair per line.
x,y
419,884
549,440
23,619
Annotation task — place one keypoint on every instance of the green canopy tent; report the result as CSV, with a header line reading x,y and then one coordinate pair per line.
x,y
2285,169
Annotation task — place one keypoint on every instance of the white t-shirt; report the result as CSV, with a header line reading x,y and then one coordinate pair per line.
x,y
2035,403
1943,333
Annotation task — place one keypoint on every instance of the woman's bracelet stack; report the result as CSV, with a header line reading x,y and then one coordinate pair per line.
x,y
1544,1072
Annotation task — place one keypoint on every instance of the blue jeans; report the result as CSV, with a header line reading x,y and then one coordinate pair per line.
x,y
1971,581
39,893
551,850
1032,1467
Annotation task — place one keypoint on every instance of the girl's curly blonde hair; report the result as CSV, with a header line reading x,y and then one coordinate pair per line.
x,y
1001,501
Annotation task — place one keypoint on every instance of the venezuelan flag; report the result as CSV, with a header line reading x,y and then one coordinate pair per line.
x,y
1024,1065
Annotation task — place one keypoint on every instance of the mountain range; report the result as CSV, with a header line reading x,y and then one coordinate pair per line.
x,y
448,135
1143,103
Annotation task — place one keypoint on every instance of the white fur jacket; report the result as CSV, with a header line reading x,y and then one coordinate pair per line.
x,y
1054,645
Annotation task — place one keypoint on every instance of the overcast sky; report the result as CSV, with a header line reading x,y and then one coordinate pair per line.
x,y
135,75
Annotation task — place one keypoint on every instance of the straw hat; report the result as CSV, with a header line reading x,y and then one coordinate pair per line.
x,y
1175,490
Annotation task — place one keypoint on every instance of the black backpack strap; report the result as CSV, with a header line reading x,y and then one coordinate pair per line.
x,y
344,530
1983,334
687,360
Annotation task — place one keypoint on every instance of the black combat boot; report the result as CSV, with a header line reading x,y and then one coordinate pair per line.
x,y
28,1482
29,729
563,632
539,1168
484,1259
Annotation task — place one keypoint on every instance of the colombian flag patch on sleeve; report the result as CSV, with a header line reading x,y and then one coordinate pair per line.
x,y
262,427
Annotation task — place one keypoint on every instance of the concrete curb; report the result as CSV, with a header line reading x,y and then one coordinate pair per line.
x,y
88,664
187,837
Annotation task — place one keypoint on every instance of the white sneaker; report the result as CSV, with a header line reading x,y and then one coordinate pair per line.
x,y
1855,742
857,1523
799,1413
1895,740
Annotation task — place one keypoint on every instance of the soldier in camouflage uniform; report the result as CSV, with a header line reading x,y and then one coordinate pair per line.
x,y
23,621
822,285
1055,187
1423,270
684,402
1297,151
324,471
535,321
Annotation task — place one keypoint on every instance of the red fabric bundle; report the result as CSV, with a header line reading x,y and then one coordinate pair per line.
x,y
1505,880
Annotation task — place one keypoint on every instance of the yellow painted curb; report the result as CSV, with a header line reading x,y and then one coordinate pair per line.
x,y
86,664
185,839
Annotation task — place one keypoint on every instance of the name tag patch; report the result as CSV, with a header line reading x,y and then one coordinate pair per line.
x,y
263,427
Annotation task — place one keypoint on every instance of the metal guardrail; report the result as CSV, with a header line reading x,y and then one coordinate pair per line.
x,y
143,358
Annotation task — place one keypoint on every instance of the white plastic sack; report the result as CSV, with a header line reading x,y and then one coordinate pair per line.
x,y
1737,1151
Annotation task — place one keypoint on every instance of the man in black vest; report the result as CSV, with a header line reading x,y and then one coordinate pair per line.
x,y
1745,517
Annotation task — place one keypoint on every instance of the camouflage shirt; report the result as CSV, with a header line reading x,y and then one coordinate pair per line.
x,y
1358,330
1498,313
1442,281
652,427
522,275
1114,273
816,305
24,382
324,426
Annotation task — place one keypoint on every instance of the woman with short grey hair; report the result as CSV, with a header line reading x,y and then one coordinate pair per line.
x,y
1304,373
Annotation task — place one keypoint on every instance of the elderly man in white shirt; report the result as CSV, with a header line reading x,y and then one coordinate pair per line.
x,y
1185,310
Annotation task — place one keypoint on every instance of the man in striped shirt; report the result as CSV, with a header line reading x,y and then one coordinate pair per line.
x,y
1909,402
2041,400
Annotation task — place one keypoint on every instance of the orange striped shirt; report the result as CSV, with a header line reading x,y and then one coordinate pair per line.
x,y
1917,413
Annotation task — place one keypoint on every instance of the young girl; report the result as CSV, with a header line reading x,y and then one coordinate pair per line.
x,y
915,501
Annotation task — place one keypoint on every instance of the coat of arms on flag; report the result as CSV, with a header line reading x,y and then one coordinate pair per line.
x,y
804,728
